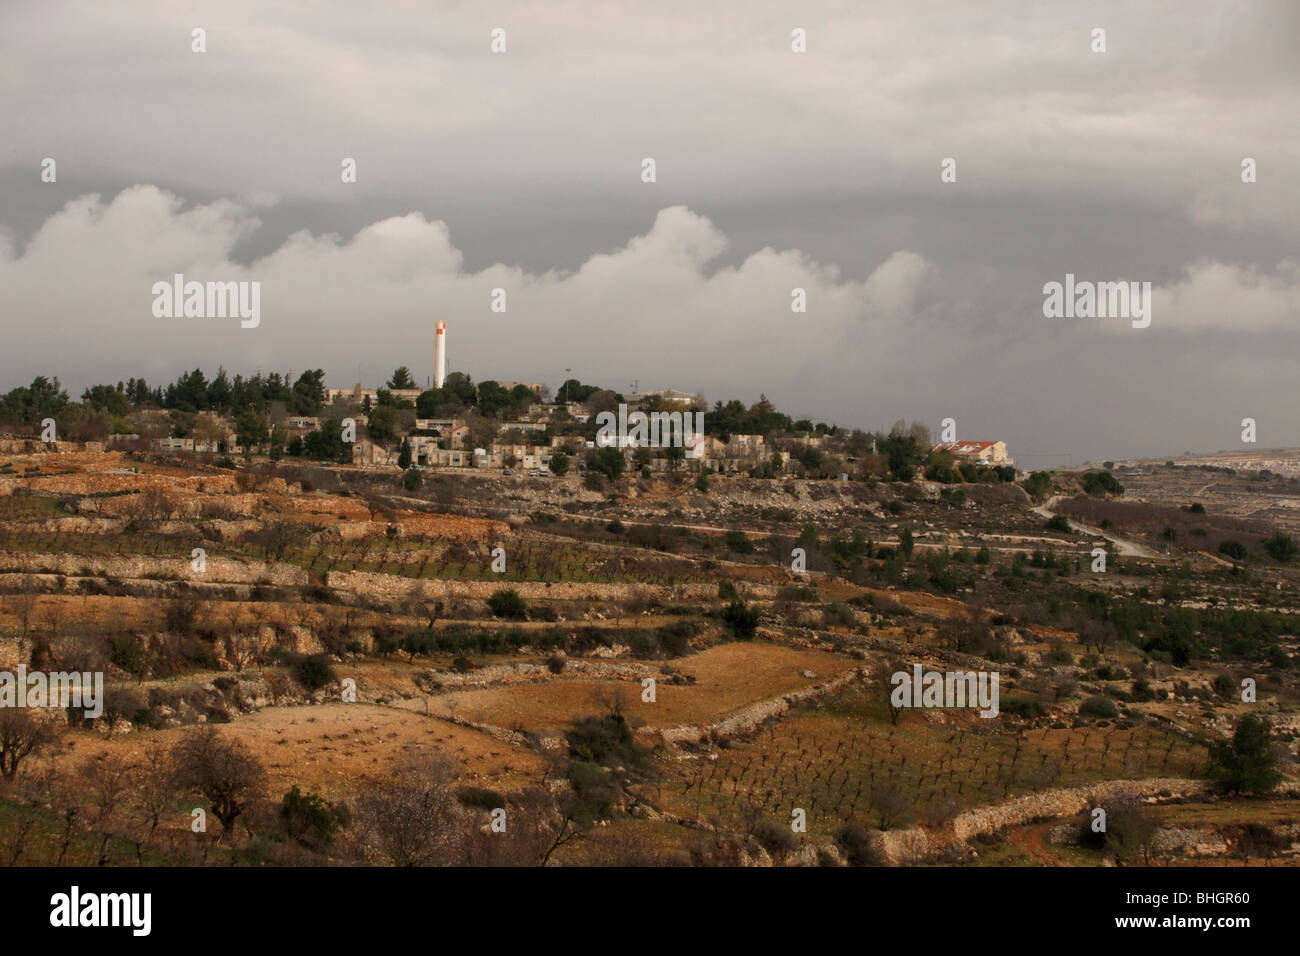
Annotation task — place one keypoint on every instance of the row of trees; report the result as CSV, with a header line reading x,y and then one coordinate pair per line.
x,y
194,392
104,408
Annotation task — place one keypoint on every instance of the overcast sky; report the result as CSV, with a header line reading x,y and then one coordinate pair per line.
x,y
775,170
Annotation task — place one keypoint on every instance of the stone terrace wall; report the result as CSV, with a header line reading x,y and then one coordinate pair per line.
x,y
916,844
219,570
389,587
751,718
530,673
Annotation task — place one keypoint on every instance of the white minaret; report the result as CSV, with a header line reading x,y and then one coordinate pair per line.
x,y
440,355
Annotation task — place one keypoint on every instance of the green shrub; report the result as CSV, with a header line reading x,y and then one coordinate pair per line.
x,y
1098,484
480,798
604,739
954,497
1099,706
312,671
838,615
308,818
128,652
1225,687
742,619
506,603
1038,483
675,638
856,845
1280,547
739,542
774,837
595,791
418,642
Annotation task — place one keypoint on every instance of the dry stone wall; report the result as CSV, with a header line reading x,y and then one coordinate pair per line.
x,y
751,718
916,844
219,570
388,587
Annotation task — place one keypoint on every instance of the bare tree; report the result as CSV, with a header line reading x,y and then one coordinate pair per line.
x,y
611,698
1130,829
21,735
231,614
277,538
426,603
153,504
967,633
888,801
106,782
154,777
884,684
241,648
412,818
541,825
223,772
25,607
182,613
53,614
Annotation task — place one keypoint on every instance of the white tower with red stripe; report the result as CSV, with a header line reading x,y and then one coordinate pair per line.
x,y
440,355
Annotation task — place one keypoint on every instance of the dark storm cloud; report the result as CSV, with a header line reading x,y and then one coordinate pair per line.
x,y
775,169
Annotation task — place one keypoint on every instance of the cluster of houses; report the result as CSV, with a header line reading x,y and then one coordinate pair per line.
x,y
991,453
524,445
445,443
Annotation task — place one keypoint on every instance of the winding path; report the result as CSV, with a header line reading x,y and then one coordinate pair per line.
x,y
1130,549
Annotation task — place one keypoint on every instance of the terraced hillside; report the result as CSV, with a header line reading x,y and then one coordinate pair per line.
x,y
649,673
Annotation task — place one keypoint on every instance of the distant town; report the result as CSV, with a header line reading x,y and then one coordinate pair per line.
x,y
510,426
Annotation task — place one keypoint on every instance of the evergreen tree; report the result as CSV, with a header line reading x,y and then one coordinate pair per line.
x,y
1247,762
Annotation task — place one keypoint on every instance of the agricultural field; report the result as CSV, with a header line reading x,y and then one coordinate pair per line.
x,y
640,676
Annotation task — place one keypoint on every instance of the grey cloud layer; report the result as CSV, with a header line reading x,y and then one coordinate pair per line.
x,y
775,170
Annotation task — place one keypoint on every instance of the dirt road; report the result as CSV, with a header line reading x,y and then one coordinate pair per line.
x,y
1130,549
